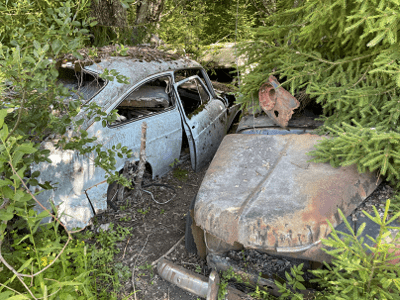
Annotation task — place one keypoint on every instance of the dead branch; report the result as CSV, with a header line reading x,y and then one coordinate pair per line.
x,y
21,109
62,250
7,287
5,202
142,161
154,263
14,271
126,247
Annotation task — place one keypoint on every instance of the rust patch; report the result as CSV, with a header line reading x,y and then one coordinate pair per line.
x,y
262,192
276,102
324,196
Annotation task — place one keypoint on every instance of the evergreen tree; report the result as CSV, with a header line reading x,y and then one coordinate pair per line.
x,y
345,55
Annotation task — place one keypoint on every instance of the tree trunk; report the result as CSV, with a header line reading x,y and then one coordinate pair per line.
x,y
108,13
148,13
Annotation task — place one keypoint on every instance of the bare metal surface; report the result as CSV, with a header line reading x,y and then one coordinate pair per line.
x,y
185,279
276,102
195,283
213,285
262,192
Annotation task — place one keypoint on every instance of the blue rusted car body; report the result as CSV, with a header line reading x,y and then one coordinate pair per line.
x,y
176,100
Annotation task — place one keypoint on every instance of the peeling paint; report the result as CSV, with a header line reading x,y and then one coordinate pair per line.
x,y
280,209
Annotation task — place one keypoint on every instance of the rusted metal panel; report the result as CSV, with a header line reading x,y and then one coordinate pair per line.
x,y
262,192
276,102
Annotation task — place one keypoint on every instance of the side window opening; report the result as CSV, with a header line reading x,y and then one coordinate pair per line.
x,y
186,73
150,98
193,97
81,85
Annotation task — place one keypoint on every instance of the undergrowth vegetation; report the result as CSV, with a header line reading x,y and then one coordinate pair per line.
x,y
86,269
357,271
357,85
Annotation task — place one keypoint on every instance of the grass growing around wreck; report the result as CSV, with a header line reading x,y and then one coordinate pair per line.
x,y
85,269
356,272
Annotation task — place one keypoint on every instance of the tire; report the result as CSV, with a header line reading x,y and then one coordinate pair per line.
x,y
190,245
111,190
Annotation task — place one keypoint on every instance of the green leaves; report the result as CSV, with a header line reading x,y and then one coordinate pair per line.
x,y
347,59
359,271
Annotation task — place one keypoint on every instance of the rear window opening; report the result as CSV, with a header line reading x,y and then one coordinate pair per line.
x,y
151,98
81,85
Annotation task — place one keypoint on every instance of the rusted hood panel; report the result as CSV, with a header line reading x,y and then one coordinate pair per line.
x,y
262,192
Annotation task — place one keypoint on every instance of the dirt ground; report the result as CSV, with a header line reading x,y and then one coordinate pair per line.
x,y
155,229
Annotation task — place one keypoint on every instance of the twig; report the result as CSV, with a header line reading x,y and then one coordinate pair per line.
x,y
34,198
65,228
126,247
33,275
21,108
168,252
15,272
5,202
152,197
7,287
134,266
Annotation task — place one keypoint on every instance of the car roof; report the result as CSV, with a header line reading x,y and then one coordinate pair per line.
x,y
138,69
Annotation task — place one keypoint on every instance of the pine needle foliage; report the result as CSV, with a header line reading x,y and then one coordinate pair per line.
x,y
346,56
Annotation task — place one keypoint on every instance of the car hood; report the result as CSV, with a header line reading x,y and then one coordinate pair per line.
x,y
263,192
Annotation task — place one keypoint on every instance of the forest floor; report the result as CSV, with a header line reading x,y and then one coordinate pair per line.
x,y
155,229
158,228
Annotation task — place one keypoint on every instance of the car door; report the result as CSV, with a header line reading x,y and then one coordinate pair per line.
x,y
204,119
152,102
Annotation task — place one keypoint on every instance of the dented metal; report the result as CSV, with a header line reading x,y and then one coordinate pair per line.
x,y
81,189
276,102
263,192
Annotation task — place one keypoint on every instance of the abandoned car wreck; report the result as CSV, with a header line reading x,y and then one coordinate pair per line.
x,y
173,96
262,193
